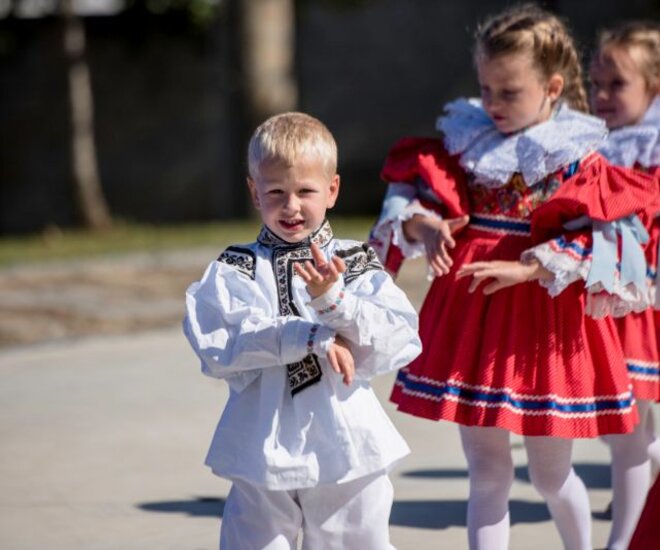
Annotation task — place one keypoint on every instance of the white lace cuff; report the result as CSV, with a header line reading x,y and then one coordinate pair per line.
x,y
570,266
410,249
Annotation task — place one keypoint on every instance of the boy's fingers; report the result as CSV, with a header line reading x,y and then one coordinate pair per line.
x,y
318,255
340,265
332,359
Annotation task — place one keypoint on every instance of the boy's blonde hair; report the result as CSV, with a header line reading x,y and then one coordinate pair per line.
x,y
528,28
641,39
285,137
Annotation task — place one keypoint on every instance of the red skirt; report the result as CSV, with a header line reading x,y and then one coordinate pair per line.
x,y
639,338
517,359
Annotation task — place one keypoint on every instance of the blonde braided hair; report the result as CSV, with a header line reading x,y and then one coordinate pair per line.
x,y
642,41
528,28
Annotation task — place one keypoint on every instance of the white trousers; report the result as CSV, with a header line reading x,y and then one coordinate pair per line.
x,y
346,516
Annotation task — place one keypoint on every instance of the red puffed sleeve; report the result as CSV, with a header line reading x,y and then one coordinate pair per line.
x,y
595,229
423,178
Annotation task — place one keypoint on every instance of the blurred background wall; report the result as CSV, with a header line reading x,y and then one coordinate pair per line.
x,y
171,84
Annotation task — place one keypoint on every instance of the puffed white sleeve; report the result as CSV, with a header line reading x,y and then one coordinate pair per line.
x,y
231,326
377,319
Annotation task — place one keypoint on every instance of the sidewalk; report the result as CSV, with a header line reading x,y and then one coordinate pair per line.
x,y
103,442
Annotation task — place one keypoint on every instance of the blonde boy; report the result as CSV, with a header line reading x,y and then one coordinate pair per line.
x,y
297,323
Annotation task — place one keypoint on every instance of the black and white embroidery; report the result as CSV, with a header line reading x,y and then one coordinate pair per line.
x,y
359,259
241,259
308,371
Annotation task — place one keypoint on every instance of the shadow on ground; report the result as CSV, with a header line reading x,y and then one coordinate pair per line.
x,y
196,507
595,476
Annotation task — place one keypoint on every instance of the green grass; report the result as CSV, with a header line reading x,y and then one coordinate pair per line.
x,y
54,245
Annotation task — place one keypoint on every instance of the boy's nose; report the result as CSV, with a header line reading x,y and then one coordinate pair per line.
x,y
291,203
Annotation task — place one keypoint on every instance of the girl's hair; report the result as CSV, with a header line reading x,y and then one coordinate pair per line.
x,y
528,28
285,137
642,41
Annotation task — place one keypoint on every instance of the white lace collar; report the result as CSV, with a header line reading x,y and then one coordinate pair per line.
x,y
640,143
534,152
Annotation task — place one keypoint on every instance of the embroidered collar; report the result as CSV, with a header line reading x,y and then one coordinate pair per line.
x,y
638,144
540,150
322,236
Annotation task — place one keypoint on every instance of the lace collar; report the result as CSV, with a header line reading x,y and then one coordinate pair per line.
x,y
638,144
322,236
534,152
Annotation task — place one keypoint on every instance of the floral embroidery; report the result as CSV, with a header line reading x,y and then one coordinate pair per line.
x,y
242,259
332,307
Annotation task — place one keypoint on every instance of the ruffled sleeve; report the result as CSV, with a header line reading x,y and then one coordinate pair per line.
x,y
594,229
424,179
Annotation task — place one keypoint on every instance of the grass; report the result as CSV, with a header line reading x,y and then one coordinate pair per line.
x,y
123,238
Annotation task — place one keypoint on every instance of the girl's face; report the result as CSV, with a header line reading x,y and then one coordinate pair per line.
x,y
619,94
514,94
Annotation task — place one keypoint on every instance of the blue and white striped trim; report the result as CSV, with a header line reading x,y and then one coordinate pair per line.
x,y
501,224
562,244
505,398
643,370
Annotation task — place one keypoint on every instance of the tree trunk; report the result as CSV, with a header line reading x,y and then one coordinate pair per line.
x,y
89,194
268,53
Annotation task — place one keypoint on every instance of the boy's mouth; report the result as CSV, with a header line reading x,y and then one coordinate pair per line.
x,y
292,224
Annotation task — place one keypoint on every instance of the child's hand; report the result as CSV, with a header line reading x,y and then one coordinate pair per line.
x,y
436,234
505,273
341,359
319,279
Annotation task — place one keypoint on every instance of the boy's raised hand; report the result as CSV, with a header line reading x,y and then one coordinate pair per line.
x,y
320,278
341,359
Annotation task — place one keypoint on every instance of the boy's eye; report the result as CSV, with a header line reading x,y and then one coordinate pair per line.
x,y
510,94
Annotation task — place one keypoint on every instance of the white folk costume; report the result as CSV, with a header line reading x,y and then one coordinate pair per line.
x,y
531,360
290,425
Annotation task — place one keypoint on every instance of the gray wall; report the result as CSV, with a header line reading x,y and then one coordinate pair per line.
x,y
168,109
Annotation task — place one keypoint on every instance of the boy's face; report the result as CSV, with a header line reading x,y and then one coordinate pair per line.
x,y
293,200
618,94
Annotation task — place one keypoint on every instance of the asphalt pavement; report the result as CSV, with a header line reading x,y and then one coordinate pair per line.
x,y
103,440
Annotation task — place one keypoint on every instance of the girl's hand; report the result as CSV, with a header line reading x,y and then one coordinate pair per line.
x,y
320,279
341,359
436,234
505,273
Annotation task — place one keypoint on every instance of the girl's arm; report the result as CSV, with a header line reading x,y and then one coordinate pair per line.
x,y
503,273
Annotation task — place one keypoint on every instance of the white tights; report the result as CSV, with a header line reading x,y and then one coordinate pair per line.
x,y
631,475
488,453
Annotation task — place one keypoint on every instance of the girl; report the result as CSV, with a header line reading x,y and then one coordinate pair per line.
x,y
515,357
625,81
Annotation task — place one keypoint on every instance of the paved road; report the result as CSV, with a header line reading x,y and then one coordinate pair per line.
x,y
103,440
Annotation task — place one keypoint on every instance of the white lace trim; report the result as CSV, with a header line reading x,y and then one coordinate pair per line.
x,y
410,249
640,143
623,300
566,269
535,152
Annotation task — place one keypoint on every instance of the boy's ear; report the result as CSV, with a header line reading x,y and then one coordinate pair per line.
x,y
334,191
253,192
555,86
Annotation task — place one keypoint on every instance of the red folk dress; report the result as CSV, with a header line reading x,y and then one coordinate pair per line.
x,y
519,359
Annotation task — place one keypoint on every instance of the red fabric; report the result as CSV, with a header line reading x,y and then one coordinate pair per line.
x,y
647,533
639,338
518,338
600,191
411,158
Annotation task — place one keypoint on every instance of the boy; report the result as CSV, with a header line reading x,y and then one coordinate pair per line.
x,y
297,323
